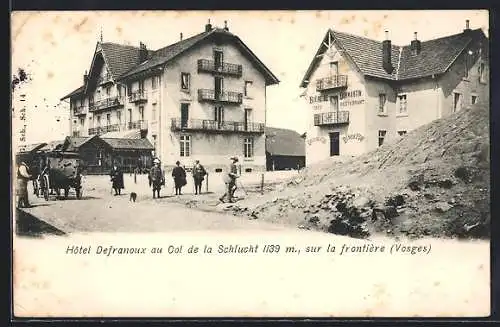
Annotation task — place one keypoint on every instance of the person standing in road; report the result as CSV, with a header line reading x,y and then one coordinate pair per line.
x,y
117,179
199,173
23,176
179,175
230,180
156,178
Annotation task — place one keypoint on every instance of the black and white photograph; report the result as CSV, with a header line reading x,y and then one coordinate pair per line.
x,y
251,163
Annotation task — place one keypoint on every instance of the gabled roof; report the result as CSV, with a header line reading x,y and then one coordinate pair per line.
x,y
73,143
164,55
284,142
129,144
120,58
435,57
79,90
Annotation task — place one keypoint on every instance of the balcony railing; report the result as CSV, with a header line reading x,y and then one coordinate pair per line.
x,y
206,125
138,96
331,118
224,68
228,97
79,110
106,104
139,124
331,82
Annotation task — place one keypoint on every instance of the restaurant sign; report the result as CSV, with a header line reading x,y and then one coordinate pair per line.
x,y
357,137
316,139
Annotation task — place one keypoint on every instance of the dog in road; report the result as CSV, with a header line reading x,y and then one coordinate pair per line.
x,y
133,196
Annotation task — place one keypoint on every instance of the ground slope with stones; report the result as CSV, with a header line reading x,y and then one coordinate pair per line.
x,y
435,181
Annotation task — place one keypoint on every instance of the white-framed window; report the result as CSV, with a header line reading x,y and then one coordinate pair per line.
x,y
473,99
382,100
82,122
401,133
108,119
98,122
108,91
185,145
248,147
482,72
154,143
154,82
119,116
185,81
334,102
402,104
334,68
248,88
457,101
381,137
248,118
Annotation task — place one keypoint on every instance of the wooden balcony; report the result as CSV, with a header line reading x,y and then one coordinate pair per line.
x,y
77,111
107,103
225,97
209,66
331,118
138,97
332,82
213,126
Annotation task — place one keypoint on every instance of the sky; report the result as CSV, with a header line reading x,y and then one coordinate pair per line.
x,y
57,47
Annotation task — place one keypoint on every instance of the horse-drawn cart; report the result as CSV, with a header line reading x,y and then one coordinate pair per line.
x,y
62,171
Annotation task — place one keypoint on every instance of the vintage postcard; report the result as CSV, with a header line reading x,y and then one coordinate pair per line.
x,y
251,163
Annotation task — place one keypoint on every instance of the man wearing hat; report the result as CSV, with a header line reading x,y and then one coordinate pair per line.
x,y
156,178
199,173
230,180
23,176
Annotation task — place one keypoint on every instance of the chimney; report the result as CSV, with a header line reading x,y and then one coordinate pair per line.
x,y
143,52
208,27
467,28
415,45
386,54
181,36
225,26
85,78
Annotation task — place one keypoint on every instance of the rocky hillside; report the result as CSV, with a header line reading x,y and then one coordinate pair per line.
x,y
435,181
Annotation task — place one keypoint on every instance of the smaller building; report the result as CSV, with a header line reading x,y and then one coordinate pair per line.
x,y
285,149
98,155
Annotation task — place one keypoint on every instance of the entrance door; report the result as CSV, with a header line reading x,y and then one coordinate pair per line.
x,y
334,144
184,114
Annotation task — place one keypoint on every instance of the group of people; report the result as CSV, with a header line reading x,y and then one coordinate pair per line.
x,y
157,178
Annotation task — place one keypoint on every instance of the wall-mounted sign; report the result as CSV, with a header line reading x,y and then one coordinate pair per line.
x,y
357,137
316,139
350,94
351,103
318,98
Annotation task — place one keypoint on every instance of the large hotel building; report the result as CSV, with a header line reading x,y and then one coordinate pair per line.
x,y
203,98
362,92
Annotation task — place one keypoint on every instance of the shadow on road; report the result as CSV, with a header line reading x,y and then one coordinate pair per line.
x,y
31,226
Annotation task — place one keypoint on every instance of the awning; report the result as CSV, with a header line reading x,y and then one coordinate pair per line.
x,y
130,134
